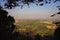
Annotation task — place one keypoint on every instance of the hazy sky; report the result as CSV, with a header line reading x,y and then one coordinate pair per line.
x,y
35,12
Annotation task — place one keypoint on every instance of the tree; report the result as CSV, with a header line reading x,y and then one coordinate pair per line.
x,y
13,3
6,25
57,30
55,14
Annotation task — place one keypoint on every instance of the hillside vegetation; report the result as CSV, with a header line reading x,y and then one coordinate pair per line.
x,y
42,27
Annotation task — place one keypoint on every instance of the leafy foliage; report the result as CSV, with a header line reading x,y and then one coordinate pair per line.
x,y
55,14
13,3
6,25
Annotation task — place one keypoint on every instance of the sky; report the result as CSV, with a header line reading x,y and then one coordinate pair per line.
x,y
35,12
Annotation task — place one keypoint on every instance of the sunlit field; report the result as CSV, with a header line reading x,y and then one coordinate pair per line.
x,y
33,27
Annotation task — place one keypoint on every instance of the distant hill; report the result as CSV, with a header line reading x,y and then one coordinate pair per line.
x,y
49,24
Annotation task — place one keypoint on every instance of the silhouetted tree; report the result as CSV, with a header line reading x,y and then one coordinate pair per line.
x,y
13,3
7,26
55,14
57,30
58,7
